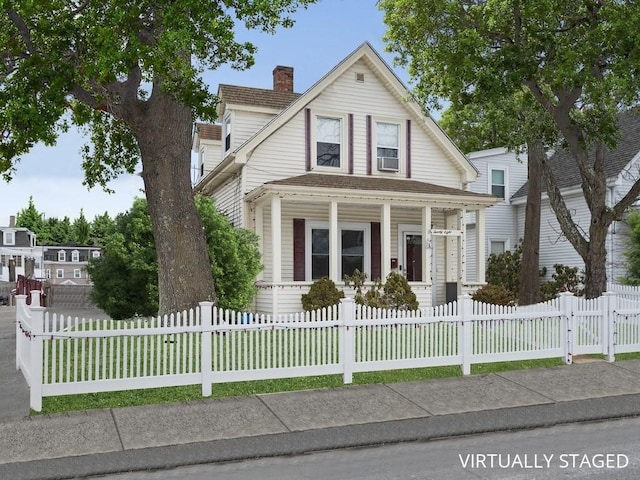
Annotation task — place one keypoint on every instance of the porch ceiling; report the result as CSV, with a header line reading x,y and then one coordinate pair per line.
x,y
356,188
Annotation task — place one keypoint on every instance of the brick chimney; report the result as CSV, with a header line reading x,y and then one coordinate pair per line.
x,y
12,221
283,79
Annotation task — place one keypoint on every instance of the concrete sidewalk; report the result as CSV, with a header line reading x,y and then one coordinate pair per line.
x,y
150,437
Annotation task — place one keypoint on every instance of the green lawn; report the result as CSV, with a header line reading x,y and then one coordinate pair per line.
x,y
183,394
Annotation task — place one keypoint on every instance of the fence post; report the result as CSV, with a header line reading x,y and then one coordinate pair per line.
x,y
347,327
206,326
566,312
36,360
609,324
465,310
21,303
35,298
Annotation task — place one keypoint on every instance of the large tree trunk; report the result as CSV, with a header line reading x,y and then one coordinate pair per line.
x,y
529,269
163,131
595,262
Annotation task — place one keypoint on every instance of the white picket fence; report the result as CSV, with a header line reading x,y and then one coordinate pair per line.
x,y
61,355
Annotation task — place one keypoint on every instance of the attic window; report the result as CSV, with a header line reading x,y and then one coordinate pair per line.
x,y
359,77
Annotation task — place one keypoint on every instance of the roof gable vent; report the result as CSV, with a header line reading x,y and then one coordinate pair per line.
x,y
359,77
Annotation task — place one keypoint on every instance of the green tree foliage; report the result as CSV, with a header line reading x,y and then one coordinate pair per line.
x,y
632,254
577,59
81,230
234,254
129,72
125,276
31,218
101,227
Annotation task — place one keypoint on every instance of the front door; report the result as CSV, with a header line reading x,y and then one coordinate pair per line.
x,y
413,257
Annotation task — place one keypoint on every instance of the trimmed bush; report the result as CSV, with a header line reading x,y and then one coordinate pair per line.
x,y
495,295
323,293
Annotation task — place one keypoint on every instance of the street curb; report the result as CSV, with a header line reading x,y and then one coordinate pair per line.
x,y
352,436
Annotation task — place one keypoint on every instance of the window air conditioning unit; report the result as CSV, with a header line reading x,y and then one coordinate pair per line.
x,y
388,164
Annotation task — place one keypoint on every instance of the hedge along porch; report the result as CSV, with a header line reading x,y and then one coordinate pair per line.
x,y
62,355
326,225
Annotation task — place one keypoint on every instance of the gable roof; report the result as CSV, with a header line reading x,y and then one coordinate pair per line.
x,y
380,68
236,95
565,168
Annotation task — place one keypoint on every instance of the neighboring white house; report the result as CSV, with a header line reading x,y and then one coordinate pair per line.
x,y
506,220
17,245
502,173
350,174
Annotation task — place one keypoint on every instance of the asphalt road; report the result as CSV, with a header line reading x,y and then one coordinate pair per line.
x,y
602,450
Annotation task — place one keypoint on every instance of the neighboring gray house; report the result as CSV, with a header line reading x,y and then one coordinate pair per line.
x,y
506,220
66,264
17,244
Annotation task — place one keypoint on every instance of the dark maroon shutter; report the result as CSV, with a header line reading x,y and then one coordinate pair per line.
x,y
298,250
307,139
376,270
369,146
408,148
350,134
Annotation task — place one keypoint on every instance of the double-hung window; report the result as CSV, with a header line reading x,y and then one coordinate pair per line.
x,y
75,256
62,256
9,238
498,184
226,131
388,146
328,142
354,250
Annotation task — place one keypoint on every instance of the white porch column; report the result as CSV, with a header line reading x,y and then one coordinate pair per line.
x,y
427,245
451,264
276,252
480,245
334,253
462,248
276,239
385,234
258,228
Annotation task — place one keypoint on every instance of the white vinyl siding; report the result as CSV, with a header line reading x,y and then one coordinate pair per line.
x,y
282,155
228,200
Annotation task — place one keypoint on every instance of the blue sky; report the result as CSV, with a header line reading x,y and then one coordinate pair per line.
x,y
322,36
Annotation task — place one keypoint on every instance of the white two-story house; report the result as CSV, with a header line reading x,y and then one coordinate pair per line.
x,y
505,174
350,174
17,248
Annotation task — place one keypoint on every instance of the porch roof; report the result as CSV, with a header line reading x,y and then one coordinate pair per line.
x,y
365,187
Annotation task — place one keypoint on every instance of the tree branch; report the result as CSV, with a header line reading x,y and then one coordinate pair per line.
x,y
22,28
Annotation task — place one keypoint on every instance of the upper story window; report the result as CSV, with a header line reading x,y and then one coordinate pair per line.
x,y
498,183
9,237
75,256
59,273
95,254
388,146
77,273
62,256
328,142
226,132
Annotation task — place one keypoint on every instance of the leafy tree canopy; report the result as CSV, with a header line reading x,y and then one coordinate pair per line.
x,y
125,276
578,59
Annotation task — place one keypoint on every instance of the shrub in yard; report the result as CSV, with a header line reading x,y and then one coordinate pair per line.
x,y
323,293
503,269
356,281
495,295
565,279
398,294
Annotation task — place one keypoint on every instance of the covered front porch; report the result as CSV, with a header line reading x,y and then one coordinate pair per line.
x,y
308,233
